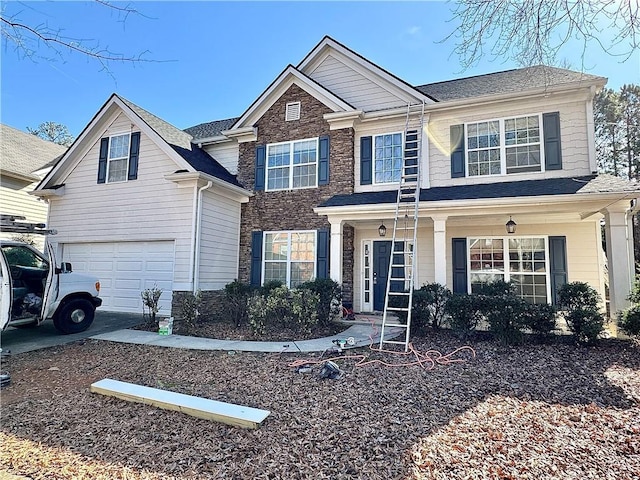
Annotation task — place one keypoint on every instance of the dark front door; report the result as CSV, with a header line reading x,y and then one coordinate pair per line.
x,y
381,252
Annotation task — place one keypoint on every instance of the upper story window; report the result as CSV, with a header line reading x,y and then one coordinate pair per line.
x,y
387,158
117,165
504,146
292,165
118,160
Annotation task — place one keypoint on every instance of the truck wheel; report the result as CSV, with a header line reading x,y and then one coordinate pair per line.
x,y
75,316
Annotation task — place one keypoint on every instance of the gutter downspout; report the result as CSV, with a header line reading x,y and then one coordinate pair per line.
x,y
196,234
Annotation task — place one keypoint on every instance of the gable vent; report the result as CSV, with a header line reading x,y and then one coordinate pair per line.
x,y
293,111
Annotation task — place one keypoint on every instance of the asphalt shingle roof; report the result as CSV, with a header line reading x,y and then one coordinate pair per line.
x,y
180,141
522,188
509,81
23,153
211,129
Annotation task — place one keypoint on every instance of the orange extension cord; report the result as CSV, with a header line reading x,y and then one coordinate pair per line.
x,y
427,360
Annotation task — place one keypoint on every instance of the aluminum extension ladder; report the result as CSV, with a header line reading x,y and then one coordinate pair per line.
x,y
402,258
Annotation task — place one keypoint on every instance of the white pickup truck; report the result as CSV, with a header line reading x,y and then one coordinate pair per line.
x,y
34,289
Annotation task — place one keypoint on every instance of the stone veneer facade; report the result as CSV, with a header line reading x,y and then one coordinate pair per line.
x,y
293,209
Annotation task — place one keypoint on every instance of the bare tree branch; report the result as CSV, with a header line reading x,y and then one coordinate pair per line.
x,y
534,31
29,39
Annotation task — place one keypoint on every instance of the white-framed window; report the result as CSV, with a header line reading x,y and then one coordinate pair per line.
x,y
289,257
505,146
523,261
292,165
387,157
118,158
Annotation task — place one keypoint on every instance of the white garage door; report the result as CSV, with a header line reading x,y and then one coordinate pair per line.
x,y
125,269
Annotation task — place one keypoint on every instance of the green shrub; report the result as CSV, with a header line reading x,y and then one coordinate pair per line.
x,y
629,321
579,304
283,308
505,315
330,294
428,309
540,319
634,296
497,288
267,287
190,309
464,313
235,299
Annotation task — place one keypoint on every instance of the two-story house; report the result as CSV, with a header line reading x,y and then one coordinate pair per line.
x,y
312,168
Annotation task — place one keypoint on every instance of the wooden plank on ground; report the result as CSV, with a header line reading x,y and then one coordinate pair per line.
x,y
237,415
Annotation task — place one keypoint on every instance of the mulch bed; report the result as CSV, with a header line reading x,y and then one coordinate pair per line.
x,y
529,412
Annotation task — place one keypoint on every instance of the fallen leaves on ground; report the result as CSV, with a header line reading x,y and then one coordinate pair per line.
x,y
529,412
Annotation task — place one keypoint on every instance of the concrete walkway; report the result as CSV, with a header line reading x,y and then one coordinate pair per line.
x,y
363,334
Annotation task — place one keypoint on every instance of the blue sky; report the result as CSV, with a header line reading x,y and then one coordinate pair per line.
x,y
212,59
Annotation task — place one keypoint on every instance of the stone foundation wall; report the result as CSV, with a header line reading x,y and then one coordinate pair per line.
x,y
211,307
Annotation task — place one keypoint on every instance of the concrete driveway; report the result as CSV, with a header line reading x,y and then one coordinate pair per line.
x,y
20,340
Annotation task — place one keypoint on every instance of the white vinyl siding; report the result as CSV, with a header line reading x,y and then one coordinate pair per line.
x,y
573,131
219,241
149,210
353,87
226,153
15,200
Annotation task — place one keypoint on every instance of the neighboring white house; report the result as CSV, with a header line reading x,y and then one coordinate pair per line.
x,y
24,160
302,180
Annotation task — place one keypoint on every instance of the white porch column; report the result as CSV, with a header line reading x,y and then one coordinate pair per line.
x,y
440,249
335,254
620,257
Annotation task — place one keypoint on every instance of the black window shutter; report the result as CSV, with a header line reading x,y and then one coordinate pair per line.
x,y
134,152
459,262
456,135
322,257
552,146
261,151
102,162
256,258
366,161
558,265
323,161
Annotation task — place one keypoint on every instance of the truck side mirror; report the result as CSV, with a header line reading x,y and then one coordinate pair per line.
x,y
65,267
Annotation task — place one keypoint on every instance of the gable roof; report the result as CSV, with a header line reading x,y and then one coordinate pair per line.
x,y
23,154
509,81
522,188
180,142
174,142
388,81
289,76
